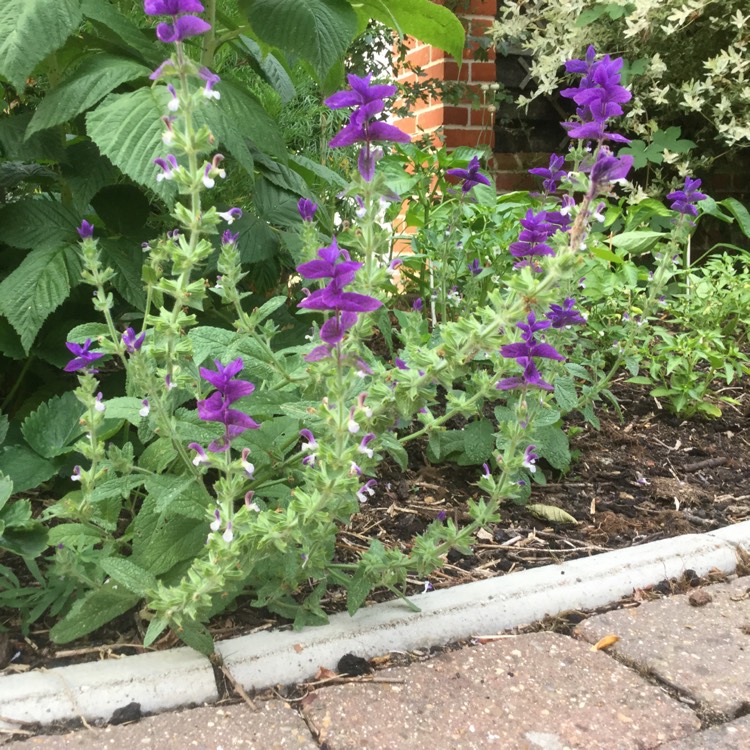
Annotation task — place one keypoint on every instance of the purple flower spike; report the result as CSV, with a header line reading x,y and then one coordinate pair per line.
x,y
306,209
608,168
565,315
83,357
132,342
532,240
215,408
683,201
471,175
171,7
86,230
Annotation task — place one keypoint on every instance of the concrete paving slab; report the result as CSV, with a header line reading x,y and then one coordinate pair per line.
x,y
701,648
542,691
275,726
732,736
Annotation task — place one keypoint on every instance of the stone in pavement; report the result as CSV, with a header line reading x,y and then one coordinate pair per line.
x,y
703,651
732,736
274,726
542,691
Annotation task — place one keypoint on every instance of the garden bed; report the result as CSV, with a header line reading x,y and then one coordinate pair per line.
x,y
645,478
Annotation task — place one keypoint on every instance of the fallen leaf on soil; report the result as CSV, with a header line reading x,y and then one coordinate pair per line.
x,y
484,535
606,642
324,674
550,513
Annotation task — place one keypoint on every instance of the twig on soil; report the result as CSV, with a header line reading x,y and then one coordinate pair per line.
x,y
706,463
238,687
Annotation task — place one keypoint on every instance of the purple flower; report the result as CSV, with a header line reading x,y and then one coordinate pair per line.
x,y
306,209
565,315
334,329
86,230
400,364
366,491
368,102
471,176
229,238
608,168
200,455
530,458
524,351
159,72
171,7
215,408
598,96
211,80
132,343
684,200
167,166
532,241
231,215
551,175
417,305
474,267
182,28
369,437
83,357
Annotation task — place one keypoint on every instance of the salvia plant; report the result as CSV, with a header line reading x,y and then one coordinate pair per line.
x,y
227,461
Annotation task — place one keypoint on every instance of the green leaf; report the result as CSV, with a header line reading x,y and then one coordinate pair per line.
x,y
195,635
637,242
156,627
54,426
566,395
357,589
133,577
670,140
273,71
479,441
6,488
127,128
45,146
24,467
127,260
124,407
37,222
550,513
95,609
114,26
319,31
739,212
394,449
552,444
421,19
35,289
94,78
86,172
307,166
30,30
75,535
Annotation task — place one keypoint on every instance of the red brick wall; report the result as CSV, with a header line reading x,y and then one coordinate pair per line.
x,y
463,124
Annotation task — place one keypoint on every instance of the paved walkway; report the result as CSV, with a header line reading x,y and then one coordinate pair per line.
x,y
678,678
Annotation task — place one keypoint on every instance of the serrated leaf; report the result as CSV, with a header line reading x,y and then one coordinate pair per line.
x,y
273,71
319,31
75,535
3,427
566,395
36,222
127,260
44,146
550,513
127,128
552,444
24,467
422,19
6,490
86,172
125,407
52,429
478,442
133,577
30,30
35,289
195,635
95,609
94,78
357,589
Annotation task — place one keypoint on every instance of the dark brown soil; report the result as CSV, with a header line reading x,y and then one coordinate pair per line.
x,y
648,477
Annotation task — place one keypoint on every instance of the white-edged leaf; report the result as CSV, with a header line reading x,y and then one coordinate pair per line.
x,y
94,78
30,30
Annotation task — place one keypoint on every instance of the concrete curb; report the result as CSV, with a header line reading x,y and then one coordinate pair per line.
x,y
169,679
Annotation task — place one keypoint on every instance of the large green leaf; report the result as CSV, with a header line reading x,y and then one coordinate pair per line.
x,y
421,19
30,30
33,223
44,146
127,260
86,172
127,128
117,28
24,467
35,289
319,31
94,78
54,426
272,69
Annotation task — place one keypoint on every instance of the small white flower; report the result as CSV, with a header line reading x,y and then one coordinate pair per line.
x,y
145,409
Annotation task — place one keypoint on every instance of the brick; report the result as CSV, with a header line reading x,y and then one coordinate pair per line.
x,y
407,124
482,71
419,56
482,117
507,182
432,118
478,26
458,115
474,137
481,8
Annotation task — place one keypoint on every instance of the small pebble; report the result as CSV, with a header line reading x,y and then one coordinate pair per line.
x,y
699,598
